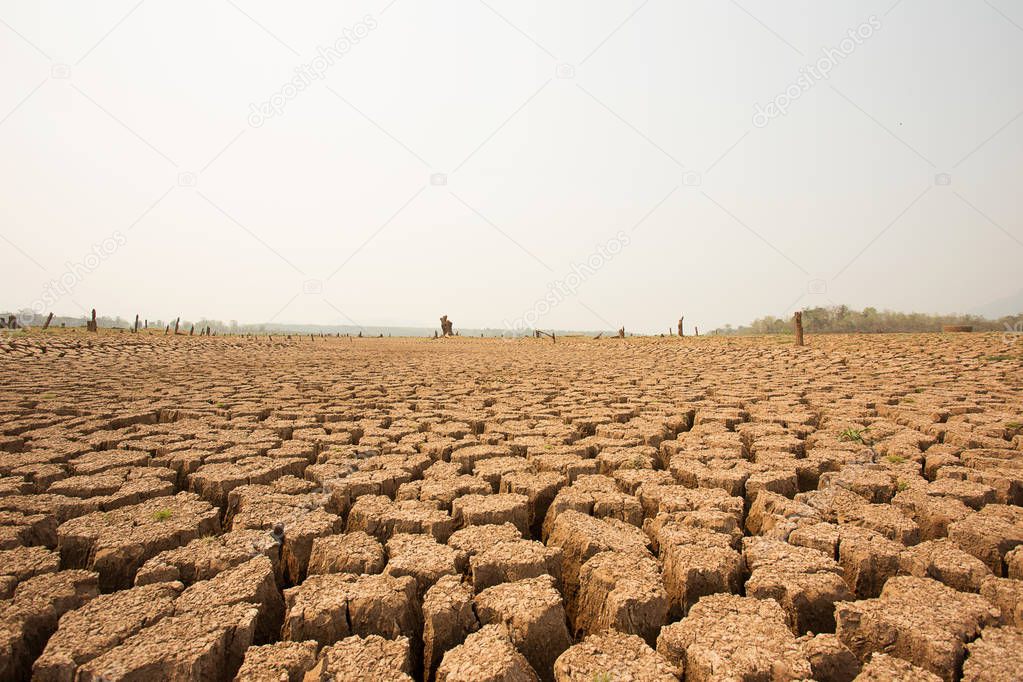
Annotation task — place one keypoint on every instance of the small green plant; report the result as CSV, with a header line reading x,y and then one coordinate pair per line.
x,y
997,358
852,435
222,405
162,514
895,459
902,486
48,396
602,677
1014,426
918,390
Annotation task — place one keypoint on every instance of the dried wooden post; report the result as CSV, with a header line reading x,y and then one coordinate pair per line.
x,y
681,331
147,324
798,319
49,318
621,333
176,322
91,325
697,331
207,330
166,330
135,330
191,332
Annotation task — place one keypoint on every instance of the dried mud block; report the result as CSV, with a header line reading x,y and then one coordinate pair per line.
x,y
328,608
612,459
596,496
1007,595
205,557
990,534
804,582
620,592
534,614
943,561
116,544
934,515
729,475
380,517
422,558
823,537
476,539
973,495
205,645
885,668
344,492
614,656
873,484
21,563
493,470
917,619
479,510
776,516
629,481
448,618
253,583
213,482
996,656
568,465
29,530
715,521
540,490
1014,563
830,660
442,492
29,619
280,662
868,560
663,499
354,552
580,537
883,519
365,658
697,563
486,656
726,637
466,458
511,561
100,625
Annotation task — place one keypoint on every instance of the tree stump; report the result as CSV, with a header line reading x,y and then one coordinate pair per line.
x,y
621,333
446,326
681,332
798,320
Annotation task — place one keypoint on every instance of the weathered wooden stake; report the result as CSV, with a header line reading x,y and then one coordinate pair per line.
x,y
681,331
191,332
91,324
49,318
135,329
176,322
798,319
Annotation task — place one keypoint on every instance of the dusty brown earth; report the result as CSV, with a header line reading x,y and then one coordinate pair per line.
x,y
186,508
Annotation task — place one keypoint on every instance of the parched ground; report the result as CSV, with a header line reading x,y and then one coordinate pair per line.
x,y
196,508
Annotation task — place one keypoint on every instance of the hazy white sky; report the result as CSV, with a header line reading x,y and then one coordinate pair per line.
x,y
464,157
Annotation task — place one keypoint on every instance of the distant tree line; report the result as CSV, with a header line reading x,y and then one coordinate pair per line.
x,y
843,320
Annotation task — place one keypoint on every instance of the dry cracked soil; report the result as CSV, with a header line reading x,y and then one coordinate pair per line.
x,y
476,510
